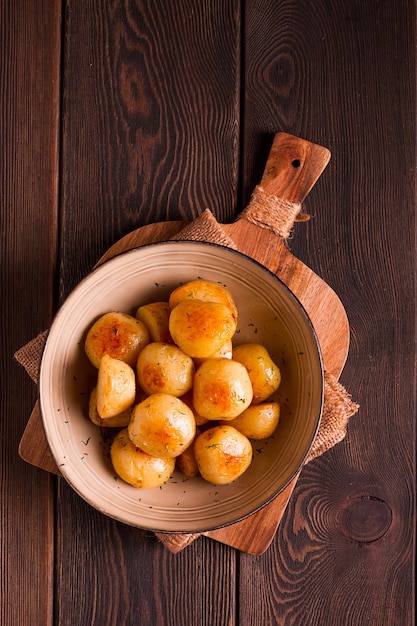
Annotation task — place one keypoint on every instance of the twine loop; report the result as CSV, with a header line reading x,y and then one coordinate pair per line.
x,y
272,212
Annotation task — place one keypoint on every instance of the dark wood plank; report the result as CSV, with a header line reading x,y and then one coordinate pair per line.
x,y
150,125
150,133
343,75
29,87
123,575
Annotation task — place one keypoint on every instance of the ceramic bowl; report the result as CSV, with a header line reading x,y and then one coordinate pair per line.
x,y
268,313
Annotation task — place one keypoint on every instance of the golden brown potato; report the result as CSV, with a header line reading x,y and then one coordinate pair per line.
x,y
164,368
118,421
135,466
201,328
155,316
225,352
223,454
264,374
258,421
186,461
188,399
116,387
119,335
162,425
222,389
204,290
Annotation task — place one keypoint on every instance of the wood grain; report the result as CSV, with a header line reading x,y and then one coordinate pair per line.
x,y
290,184
150,133
168,109
29,87
331,75
151,107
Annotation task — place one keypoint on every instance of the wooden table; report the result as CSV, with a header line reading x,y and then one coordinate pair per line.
x,y
119,114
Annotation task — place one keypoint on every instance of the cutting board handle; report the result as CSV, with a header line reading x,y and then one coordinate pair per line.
x,y
292,169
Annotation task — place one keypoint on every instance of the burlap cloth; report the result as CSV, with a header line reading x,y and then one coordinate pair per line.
x,y
338,406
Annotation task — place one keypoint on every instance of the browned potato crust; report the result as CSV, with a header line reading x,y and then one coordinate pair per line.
x,y
164,368
222,389
119,335
201,328
162,425
203,290
223,454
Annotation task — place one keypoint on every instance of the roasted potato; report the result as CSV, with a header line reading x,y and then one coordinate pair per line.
x,y
118,421
135,466
201,328
164,368
162,425
225,352
186,461
264,374
155,316
166,374
258,421
119,335
188,399
222,389
204,290
223,454
116,387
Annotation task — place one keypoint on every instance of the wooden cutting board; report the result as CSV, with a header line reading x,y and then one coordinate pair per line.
x,y
292,169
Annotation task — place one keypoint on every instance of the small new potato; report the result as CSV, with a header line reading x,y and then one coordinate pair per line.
x,y
164,368
186,461
135,466
162,425
118,421
225,352
201,328
155,316
205,290
188,399
119,335
223,454
116,387
258,421
264,374
222,389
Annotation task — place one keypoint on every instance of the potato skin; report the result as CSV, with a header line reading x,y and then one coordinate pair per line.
x,y
258,421
162,425
264,374
186,461
223,454
155,316
118,421
225,352
201,328
136,467
116,387
164,368
119,335
188,399
222,389
205,290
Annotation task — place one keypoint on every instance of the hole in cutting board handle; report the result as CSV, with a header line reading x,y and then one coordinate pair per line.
x,y
296,163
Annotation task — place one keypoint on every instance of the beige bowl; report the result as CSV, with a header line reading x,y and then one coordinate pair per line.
x,y
268,313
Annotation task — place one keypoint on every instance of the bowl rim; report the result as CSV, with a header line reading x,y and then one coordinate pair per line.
x,y
196,244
